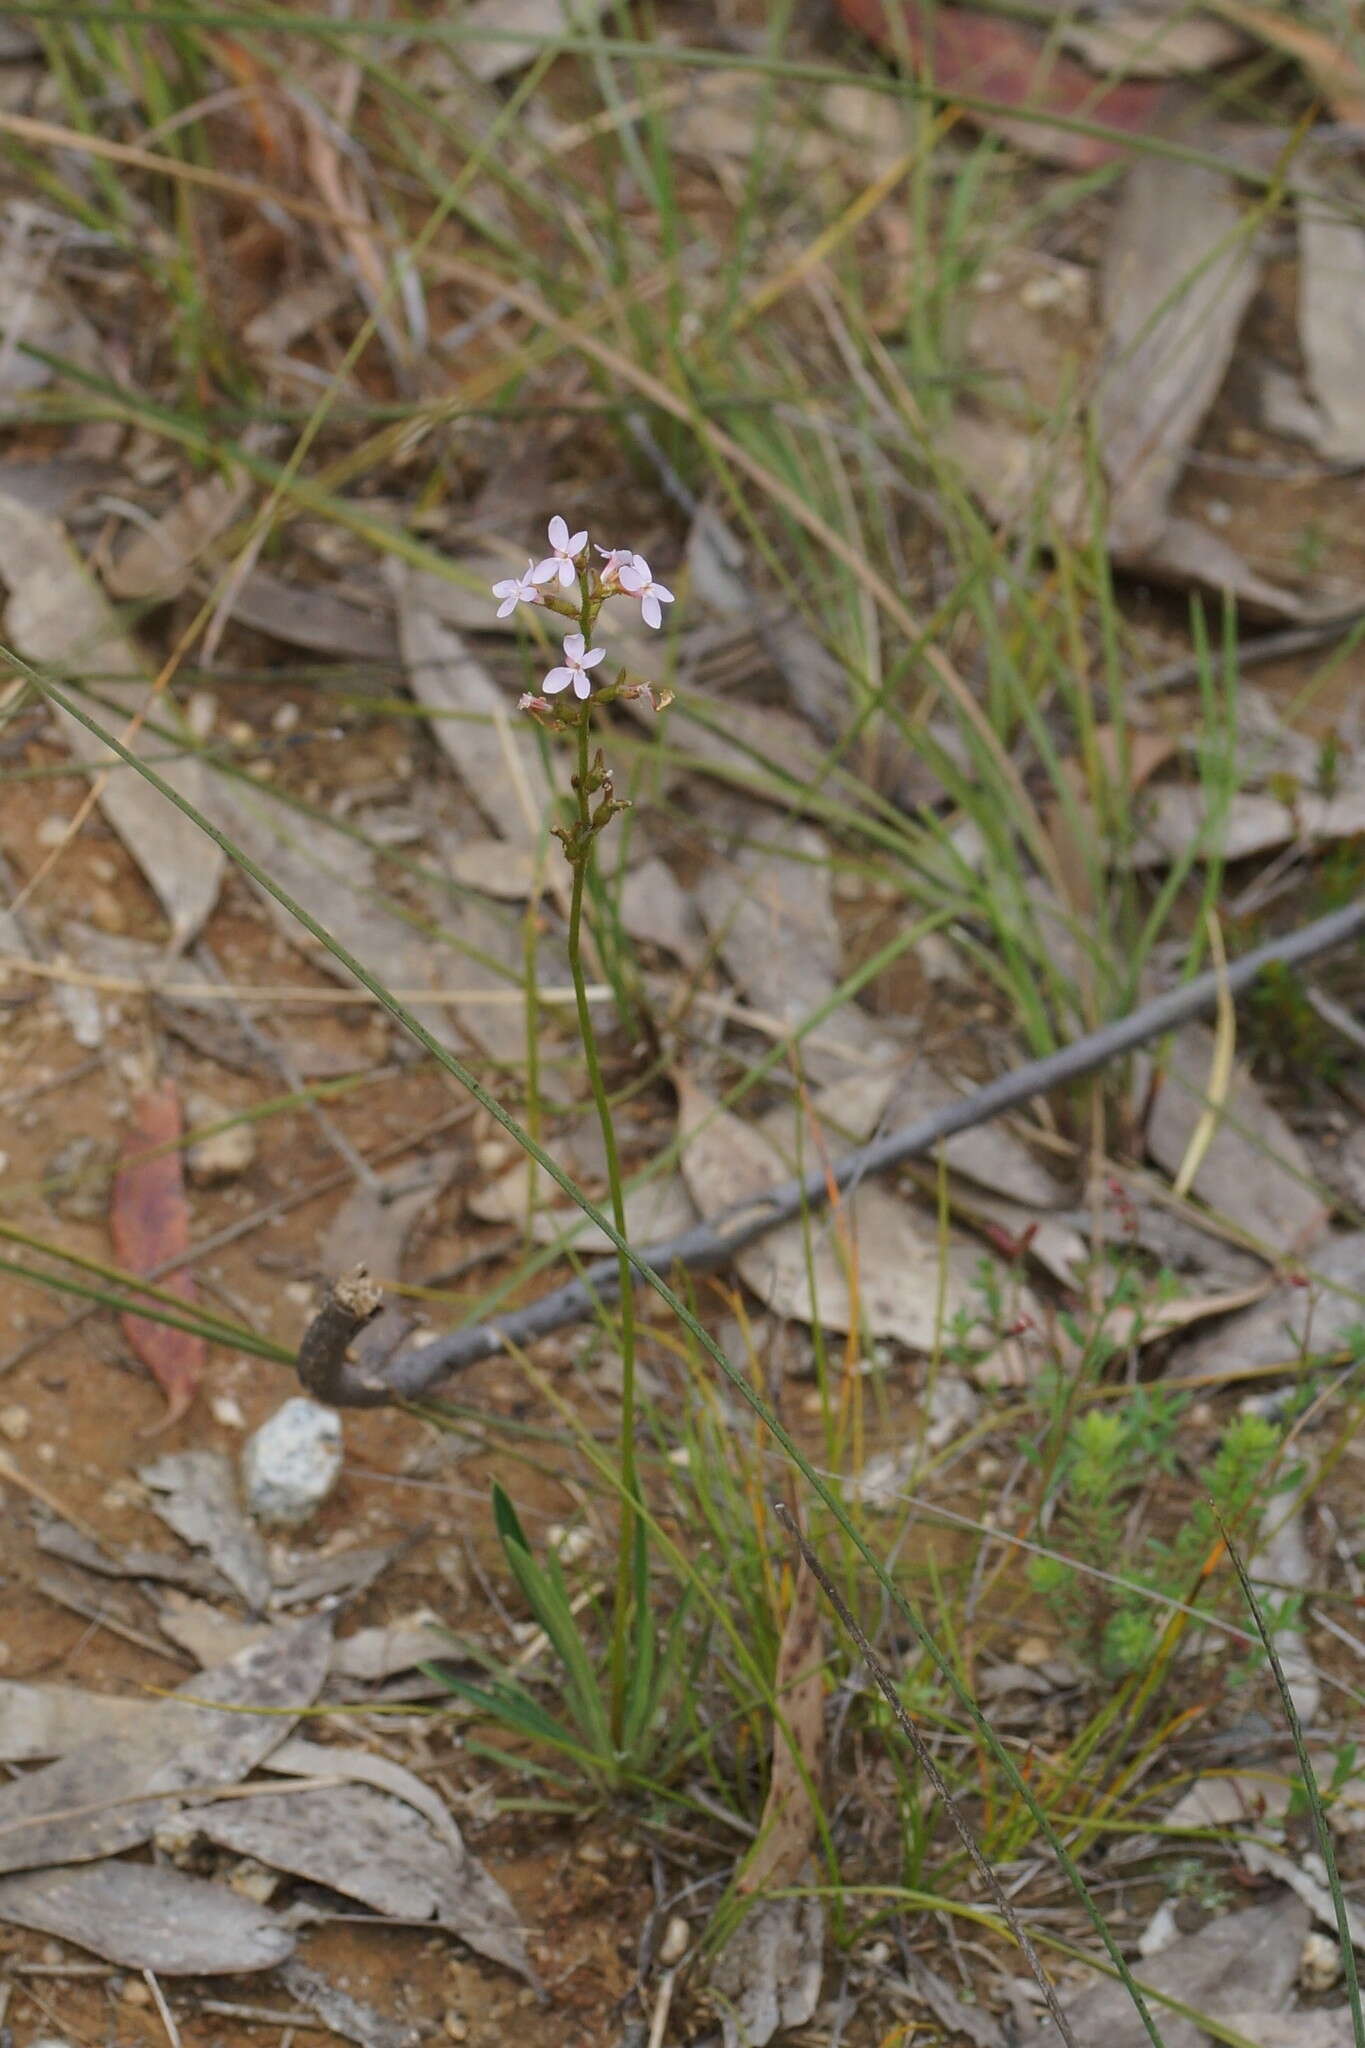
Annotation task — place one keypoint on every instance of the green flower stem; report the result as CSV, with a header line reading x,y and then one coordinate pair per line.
x,y
630,1484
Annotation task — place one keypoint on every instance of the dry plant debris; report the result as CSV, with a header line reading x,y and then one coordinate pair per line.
x,y
940,365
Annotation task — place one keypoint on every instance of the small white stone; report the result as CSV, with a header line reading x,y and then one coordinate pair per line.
x,y
226,1411
15,1422
292,1462
221,1155
285,717
201,714
676,1940
571,1545
300,1292
52,830
1319,1962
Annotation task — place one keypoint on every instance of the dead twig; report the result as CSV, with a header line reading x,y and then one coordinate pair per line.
x,y
411,1372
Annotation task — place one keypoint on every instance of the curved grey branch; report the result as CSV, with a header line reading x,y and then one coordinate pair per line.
x,y
410,1371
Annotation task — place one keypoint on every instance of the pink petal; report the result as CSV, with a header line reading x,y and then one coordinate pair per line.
x,y
577,542
649,609
574,643
558,679
509,604
559,533
566,574
546,571
581,686
662,590
632,579
592,657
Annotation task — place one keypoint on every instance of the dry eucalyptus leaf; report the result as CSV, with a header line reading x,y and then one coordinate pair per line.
x,y
1332,308
1175,817
108,1795
770,912
160,559
989,1154
333,879
195,1494
877,1263
1283,1561
511,873
1186,552
299,1758
498,36
660,1209
147,1917
343,2014
474,720
1255,1173
308,615
374,1848
59,619
787,1829
656,910
1313,1319
1242,1957
42,1721
1310,1886
130,1561
1177,278
1150,41
758,748
206,1633
371,1229
1317,2029
373,1654
768,1974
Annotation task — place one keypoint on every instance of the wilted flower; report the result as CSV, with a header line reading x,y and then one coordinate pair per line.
x,y
561,563
578,659
637,578
614,560
515,590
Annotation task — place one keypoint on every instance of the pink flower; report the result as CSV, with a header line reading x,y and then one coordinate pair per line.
x,y
578,659
515,590
638,579
561,563
614,560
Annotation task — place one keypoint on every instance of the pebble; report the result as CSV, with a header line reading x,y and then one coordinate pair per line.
x,y
292,1462
201,714
52,830
15,1422
133,1991
455,2026
222,1155
1319,1962
226,1411
677,1937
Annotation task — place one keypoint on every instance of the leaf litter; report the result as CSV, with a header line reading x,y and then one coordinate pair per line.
x,y
1011,71
149,1222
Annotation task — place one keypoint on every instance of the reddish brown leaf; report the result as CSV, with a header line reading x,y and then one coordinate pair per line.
x,y
149,1220
985,57
787,1830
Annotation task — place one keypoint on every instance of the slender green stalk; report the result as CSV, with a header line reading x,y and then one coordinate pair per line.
x,y
626,1574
